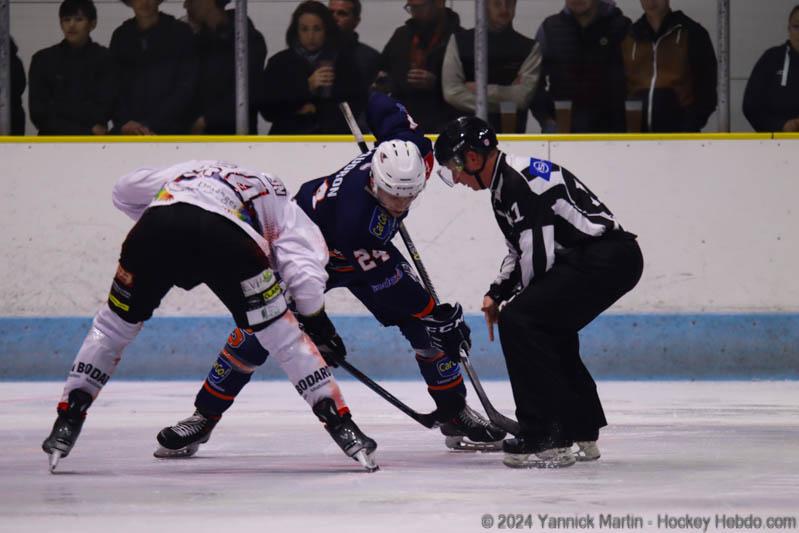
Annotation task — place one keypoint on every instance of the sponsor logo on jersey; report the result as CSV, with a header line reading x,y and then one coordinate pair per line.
x,y
383,226
540,168
310,381
219,371
95,374
389,281
447,368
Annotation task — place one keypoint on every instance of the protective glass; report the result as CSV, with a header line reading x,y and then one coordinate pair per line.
x,y
449,171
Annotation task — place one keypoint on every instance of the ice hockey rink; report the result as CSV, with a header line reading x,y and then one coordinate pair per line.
x,y
674,452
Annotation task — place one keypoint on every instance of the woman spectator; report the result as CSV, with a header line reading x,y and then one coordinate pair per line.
x,y
771,100
304,83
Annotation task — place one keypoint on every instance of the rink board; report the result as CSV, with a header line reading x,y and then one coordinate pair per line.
x,y
616,346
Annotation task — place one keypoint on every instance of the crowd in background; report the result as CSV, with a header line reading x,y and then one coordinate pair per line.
x,y
589,69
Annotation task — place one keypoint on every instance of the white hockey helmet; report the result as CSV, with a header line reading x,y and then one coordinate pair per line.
x,y
398,169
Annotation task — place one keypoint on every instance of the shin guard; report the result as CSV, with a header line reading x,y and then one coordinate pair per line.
x,y
232,370
299,358
100,353
444,381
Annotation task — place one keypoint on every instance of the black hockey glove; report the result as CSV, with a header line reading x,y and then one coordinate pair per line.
x,y
447,329
323,333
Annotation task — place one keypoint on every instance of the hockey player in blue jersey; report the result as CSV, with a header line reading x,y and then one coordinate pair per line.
x,y
359,210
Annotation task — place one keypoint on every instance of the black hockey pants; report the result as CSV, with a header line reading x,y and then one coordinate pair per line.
x,y
556,397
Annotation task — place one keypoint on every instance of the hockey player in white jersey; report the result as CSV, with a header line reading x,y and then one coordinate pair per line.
x,y
237,231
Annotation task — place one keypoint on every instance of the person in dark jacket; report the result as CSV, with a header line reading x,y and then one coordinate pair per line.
x,y
582,67
671,68
156,62
771,99
215,98
17,88
304,83
71,83
411,62
514,64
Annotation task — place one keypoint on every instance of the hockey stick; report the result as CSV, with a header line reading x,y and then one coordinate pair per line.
x,y
508,424
425,419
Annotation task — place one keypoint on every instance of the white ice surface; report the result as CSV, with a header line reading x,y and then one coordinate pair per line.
x,y
701,448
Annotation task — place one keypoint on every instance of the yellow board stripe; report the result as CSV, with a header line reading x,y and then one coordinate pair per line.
x,y
258,139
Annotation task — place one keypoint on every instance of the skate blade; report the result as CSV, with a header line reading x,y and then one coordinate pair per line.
x,y
513,460
180,453
367,461
462,444
55,456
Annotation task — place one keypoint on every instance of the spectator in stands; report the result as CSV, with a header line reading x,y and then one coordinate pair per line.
x,y
676,85
582,68
156,62
771,100
72,83
17,88
215,97
411,62
514,64
347,14
304,83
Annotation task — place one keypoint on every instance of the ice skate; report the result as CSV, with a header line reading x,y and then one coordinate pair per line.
x,y
347,434
522,453
184,438
587,451
469,431
66,427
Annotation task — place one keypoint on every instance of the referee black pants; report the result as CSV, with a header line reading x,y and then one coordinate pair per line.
x,y
556,397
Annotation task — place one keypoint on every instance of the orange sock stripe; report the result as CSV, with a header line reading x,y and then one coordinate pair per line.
x,y
427,310
218,394
343,410
447,386
240,366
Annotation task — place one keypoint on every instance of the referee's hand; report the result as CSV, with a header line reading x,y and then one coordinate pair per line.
x,y
490,310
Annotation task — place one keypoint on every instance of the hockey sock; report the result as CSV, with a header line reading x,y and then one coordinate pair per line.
x,y
100,353
299,358
444,381
232,370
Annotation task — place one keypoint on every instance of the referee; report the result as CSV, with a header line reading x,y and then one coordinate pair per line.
x,y
568,260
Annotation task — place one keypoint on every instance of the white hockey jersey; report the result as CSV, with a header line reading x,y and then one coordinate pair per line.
x,y
257,202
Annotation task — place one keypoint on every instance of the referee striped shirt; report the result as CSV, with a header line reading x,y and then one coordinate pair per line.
x,y
542,209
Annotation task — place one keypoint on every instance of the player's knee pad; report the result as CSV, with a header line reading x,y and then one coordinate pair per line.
x,y
231,371
100,352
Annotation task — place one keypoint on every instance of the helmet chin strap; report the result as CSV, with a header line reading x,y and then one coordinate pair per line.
x,y
476,175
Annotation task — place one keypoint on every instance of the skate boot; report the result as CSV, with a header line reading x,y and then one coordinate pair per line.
x,y
469,431
346,434
67,426
587,451
524,453
184,438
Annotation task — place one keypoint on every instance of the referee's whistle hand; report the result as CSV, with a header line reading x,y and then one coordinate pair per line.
x,y
491,312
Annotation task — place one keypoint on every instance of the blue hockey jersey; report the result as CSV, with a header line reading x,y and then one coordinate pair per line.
x,y
358,230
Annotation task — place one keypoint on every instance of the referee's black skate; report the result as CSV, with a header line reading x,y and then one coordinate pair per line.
x,y
525,453
347,434
184,438
469,431
67,426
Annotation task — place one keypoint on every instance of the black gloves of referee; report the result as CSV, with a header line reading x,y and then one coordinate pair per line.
x,y
447,329
323,333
